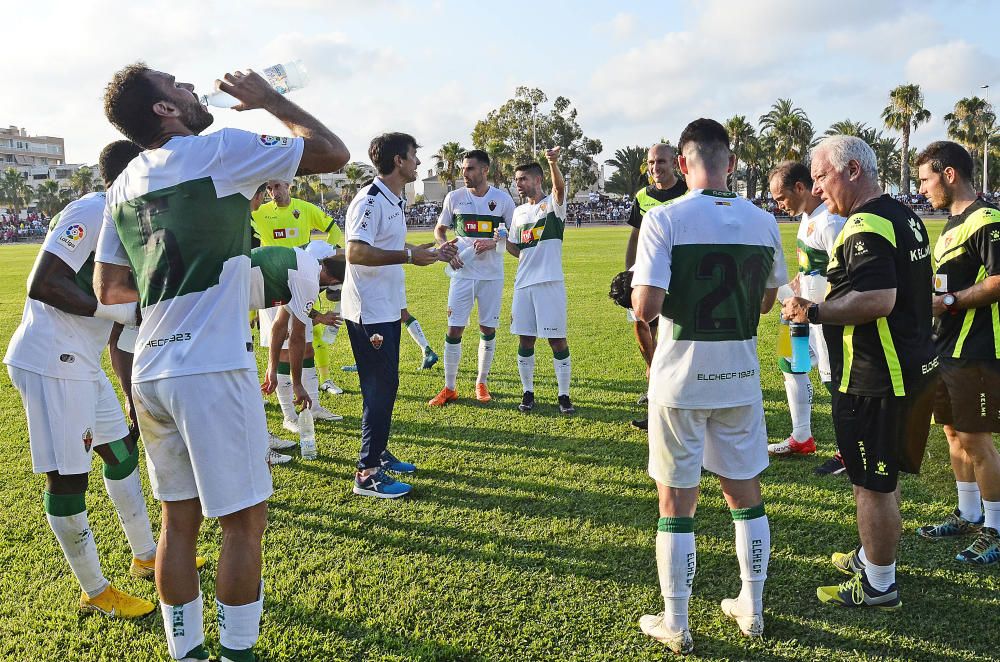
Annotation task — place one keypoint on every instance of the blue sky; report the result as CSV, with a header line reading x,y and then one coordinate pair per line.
x,y
635,71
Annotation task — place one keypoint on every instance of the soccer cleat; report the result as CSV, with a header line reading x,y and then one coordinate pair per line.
x,y
274,457
984,550
792,447
329,387
678,642
275,443
390,462
112,602
565,406
380,485
751,625
430,358
527,401
349,368
953,525
832,467
291,425
147,569
321,413
444,397
857,592
643,399
482,393
849,563
640,423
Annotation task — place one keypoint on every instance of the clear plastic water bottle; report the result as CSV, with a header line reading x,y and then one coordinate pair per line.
x,y
501,239
284,78
799,332
468,253
307,434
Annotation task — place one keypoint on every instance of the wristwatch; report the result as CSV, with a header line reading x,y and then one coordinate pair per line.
x,y
812,313
409,256
949,300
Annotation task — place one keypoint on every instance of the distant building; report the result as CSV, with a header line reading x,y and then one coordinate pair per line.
x,y
38,158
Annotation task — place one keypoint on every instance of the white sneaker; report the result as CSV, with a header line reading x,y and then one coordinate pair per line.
x,y
276,443
329,387
751,625
274,457
291,425
678,642
321,413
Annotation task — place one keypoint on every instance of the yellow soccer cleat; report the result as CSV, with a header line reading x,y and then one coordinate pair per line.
x,y
147,569
112,602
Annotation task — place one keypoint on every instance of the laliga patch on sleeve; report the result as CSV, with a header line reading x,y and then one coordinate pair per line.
x,y
72,236
274,141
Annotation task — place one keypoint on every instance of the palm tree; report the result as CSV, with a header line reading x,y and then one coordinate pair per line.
x,y
448,158
760,159
15,192
630,170
354,174
741,133
970,123
788,130
887,157
82,181
500,163
48,197
905,112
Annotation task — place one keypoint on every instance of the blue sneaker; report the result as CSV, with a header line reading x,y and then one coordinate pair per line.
x,y
392,463
430,358
953,525
985,550
380,485
349,368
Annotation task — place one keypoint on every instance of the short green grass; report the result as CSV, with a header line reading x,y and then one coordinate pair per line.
x,y
528,538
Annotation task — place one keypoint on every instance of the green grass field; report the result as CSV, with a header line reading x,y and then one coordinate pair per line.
x,y
529,537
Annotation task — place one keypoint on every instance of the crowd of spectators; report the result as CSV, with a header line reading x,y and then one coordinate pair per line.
x,y
15,229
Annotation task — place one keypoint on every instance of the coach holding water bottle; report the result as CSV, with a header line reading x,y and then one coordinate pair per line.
x,y
877,322
372,297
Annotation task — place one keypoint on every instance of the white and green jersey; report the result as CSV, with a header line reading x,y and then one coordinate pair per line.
x,y
537,230
714,254
282,276
179,215
49,341
814,248
475,217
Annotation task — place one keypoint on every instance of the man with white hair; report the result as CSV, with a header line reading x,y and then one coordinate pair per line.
x,y
877,322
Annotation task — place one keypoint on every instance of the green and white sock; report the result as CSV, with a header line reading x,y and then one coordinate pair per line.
x,y
487,347
185,629
284,392
526,368
561,364
676,562
753,551
452,359
239,628
125,491
67,516
417,333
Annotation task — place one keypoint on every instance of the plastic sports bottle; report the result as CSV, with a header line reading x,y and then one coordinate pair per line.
x,y
784,340
799,332
284,78
501,239
307,434
468,253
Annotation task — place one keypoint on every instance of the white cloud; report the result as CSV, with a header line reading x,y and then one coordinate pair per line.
x,y
622,25
956,67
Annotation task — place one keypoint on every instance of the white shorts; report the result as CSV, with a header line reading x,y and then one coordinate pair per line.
x,y
539,310
730,442
267,316
463,292
205,437
67,418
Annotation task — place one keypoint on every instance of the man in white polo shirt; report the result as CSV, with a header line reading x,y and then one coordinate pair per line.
x,y
372,299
